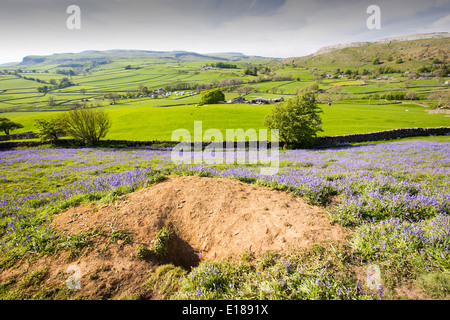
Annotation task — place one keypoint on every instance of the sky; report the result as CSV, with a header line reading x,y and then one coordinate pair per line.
x,y
271,28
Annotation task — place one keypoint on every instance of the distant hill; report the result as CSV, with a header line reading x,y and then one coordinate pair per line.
x,y
238,56
414,51
437,35
92,55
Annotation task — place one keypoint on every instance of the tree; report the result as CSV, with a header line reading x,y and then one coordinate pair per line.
x,y
333,93
251,71
240,91
247,89
211,96
223,83
411,95
86,124
50,130
7,125
43,89
436,61
314,87
376,61
442,95
112,97
51,101
297,120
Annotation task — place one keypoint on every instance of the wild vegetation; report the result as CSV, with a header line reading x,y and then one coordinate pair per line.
x,y
393,198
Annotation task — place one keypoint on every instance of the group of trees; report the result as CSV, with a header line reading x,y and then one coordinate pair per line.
x,y
66,72
439,69
129,67
251,71
224,65
399,95
387,70
31,78
63,83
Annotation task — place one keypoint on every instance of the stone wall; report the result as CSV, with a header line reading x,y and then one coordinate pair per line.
x,y
321,141
19,136
383,135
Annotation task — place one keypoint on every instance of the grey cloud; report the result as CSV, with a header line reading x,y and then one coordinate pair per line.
x,y
264,27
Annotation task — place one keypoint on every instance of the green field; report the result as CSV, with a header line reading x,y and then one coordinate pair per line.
x,y
357,108
132,121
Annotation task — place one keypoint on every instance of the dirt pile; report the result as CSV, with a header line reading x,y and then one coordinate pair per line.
x,y
210,219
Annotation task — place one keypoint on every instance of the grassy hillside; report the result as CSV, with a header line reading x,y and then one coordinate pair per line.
x,y
414,53
359,102
134,121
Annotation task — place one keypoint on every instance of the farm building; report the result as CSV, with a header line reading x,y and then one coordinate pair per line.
x,y
256,100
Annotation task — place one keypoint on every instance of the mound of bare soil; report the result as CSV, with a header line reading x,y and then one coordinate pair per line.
x,y
211,219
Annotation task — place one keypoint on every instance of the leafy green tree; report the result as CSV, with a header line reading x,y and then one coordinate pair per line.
x,y
7,125
297,120
251,71
314,87
64,83
43,89
436,61
50,130
423,69
86,124
211,96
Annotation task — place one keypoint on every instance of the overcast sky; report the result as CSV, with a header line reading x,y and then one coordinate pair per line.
x,y
274,28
